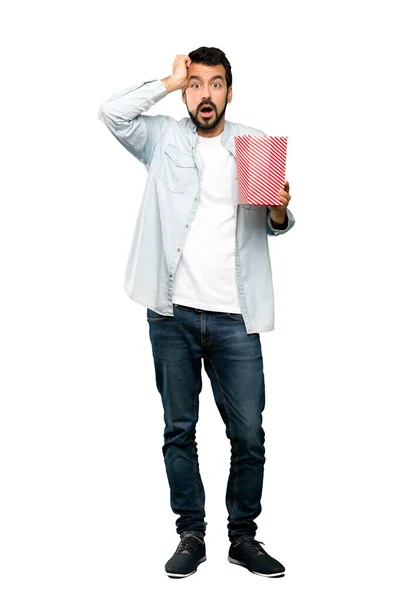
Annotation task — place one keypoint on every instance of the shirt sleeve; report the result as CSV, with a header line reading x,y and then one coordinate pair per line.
x,y
285,227
122,115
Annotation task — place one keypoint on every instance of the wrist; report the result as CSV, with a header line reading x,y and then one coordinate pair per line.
x,y
278,217
171,84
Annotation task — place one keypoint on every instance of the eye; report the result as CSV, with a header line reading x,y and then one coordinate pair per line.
x,y
216,83
194,84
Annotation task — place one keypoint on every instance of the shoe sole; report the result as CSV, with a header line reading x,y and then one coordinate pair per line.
x,y
182,575
241,564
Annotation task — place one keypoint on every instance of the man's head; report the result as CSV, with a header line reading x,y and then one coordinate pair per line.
x,y
209,85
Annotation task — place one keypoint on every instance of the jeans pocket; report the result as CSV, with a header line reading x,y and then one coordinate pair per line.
x,y
236,317
154,316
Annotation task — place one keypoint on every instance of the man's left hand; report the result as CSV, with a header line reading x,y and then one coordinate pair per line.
x,y
278,213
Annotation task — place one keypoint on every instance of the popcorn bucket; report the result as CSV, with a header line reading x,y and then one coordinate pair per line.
x,y
261,165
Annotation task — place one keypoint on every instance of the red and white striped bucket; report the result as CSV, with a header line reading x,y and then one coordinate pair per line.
x,y
261,166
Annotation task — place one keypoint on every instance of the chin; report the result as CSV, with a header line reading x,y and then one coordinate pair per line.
x,y
200,124
208,126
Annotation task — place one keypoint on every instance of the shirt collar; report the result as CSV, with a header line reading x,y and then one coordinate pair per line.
x,y
227,139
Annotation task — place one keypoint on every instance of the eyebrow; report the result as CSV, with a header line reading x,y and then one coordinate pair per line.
x,y
212,78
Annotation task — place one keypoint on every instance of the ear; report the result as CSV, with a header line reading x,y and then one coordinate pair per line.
x,y
229,94
184,96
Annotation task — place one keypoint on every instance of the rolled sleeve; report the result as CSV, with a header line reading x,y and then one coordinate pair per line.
x,y
289,222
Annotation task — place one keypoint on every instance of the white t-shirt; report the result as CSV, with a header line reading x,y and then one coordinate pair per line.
x,y
206,274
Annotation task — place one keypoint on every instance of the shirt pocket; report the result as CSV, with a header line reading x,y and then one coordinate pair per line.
x,y
177,169
252,206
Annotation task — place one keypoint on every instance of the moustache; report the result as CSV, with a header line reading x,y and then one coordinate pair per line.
x,y
206,103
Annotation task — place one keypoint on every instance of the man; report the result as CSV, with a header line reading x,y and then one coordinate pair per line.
x,y
200,264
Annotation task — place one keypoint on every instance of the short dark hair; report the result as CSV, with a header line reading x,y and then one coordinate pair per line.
x,y
211,57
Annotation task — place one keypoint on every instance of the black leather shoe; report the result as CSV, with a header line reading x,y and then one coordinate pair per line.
x,y
247,552
189,554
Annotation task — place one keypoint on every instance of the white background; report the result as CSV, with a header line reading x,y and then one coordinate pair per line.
x,y
85,502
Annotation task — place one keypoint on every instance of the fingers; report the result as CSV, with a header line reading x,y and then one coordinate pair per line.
x,y
180,69
181,58
284,197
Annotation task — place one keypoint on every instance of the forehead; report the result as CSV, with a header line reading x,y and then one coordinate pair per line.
x,y
206,72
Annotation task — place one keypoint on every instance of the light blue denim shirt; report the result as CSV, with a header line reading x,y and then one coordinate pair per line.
x,y
167,148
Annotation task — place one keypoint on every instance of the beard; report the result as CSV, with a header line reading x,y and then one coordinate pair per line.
x,y
209,124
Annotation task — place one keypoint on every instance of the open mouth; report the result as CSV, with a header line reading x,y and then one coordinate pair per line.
x,y
206,111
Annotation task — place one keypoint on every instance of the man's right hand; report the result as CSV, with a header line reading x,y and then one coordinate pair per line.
x,y
178,79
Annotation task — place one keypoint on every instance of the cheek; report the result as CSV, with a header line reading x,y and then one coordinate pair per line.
x,y
192,102
221,99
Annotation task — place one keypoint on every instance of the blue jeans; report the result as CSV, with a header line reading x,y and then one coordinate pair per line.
x,y
233,362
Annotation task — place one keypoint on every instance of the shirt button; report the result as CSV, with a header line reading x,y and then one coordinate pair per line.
x,y
179,249
237,264
171,276
187,225
240,292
